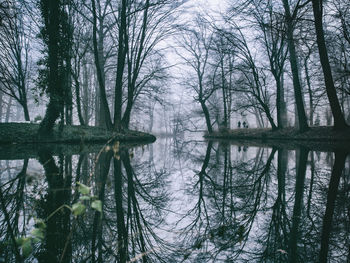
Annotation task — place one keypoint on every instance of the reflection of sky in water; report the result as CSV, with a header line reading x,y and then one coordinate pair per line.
x,y
214,209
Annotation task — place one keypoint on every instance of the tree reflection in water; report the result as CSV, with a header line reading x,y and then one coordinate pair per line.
x,y
181,202
261,209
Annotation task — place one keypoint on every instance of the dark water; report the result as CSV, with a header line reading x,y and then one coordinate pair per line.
x,y
175,201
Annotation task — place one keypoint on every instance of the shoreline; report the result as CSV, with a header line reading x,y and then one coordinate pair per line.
x,y
26,133
317,138
322,133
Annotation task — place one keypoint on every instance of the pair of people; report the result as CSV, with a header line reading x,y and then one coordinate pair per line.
x,y
245,125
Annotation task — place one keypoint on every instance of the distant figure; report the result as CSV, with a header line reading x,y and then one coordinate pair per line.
x,y
245,148
239,149
244,124
239,124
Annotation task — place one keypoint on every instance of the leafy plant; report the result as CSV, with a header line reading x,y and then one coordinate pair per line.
x,y
26,243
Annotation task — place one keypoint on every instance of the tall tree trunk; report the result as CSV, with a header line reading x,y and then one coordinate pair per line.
x,y
311,103
207,116
97,103
77,97
303,126
296,217
339,120
223,93
99,71
55,106
280,103
122,49
68,93
85,93
102,60
338,167
118,195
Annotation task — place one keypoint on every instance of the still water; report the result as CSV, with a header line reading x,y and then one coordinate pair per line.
x,y
175,201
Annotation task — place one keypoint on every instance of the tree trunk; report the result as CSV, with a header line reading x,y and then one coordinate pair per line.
x,y
68,94
99,71
207,116
151,117
303,126
280,103
8,111
122,49
269,117
77,94
223,93
85,93
127,113
338,167
298,203
339,120
97,103
118,195
25,111
56,104
311,103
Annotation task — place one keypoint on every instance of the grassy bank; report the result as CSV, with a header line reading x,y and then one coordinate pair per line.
x,y
317,138
313,134
28,133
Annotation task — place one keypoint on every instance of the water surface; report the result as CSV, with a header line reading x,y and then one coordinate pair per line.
x,y
176,201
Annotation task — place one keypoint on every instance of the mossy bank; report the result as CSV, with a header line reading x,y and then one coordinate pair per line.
x,y
28,133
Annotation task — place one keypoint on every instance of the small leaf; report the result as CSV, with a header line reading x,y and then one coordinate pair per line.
x,y
38,233
83,189
84,198
26,247
97,205
78,209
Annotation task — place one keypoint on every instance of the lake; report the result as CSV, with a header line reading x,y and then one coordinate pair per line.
x,y
174,201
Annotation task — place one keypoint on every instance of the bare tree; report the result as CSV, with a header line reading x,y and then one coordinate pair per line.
x,y
14,56
196,42
339,120
290,20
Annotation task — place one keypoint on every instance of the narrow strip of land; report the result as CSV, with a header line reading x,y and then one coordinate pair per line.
x,y
28,133
313,134
316,138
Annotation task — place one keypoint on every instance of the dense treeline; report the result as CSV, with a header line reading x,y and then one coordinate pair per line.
x,y
103,63
262,57
109,45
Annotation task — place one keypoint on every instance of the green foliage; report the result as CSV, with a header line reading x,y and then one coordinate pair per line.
x,y
26,246
97,205
36,236
83,189
79,208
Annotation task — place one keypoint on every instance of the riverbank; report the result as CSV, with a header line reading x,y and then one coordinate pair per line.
x,y
317,138
313,134
28,133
